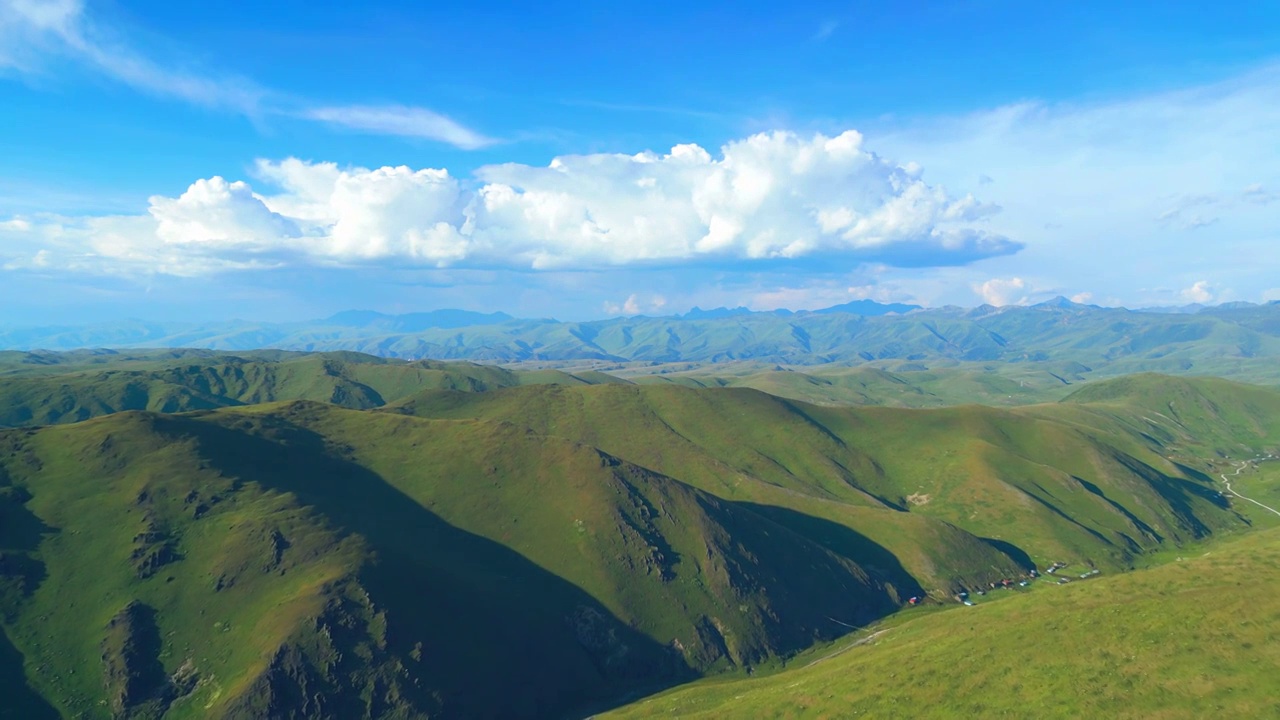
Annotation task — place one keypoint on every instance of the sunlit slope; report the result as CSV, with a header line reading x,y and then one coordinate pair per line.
x,y
910,386
1038,479
84,390
1190,416
1196,638
239,562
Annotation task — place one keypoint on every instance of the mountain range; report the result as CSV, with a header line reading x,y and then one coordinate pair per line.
x,y
1237,340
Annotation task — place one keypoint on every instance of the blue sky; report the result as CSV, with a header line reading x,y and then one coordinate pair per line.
x,y
216,160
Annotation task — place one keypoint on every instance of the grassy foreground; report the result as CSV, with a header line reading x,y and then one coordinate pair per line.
x,y
1194,638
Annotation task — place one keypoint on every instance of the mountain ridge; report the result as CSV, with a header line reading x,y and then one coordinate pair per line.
x,y
1109,340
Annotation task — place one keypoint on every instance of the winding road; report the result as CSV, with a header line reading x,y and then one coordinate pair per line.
x,y
1227,481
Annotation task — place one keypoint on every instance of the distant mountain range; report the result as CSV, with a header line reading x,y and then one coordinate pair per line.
x,y
865,308
1169,340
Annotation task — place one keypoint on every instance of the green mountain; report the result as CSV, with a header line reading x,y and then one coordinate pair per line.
x,y
246,563
475,542
48,388
1191,639
892,384
1239,341
1086,482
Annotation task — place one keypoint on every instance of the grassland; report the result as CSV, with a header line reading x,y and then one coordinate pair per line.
x,y
495,544
1090,482
1197,637
396,564
49,388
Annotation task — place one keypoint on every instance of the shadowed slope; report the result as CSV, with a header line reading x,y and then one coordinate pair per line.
x,y
304,558
1038,478
1191,639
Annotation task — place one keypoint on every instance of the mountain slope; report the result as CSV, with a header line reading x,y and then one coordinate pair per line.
x,y
1049,480
1190,639
218,380
245,560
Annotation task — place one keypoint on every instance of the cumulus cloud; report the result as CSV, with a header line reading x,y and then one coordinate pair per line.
x,y
1082,298
1199,292
635,305
773,197
33,30
1003,291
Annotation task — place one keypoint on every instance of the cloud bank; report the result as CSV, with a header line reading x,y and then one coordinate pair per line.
x,y
769,198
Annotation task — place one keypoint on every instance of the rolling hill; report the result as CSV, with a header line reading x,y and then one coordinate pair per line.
x,y
48,388
466,541
1194,638
243,561
1074,480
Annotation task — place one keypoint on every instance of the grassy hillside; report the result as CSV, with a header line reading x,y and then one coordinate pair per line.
x,y
526,544
302,558
906,385
44,388
1191,639
1074,481
1197,416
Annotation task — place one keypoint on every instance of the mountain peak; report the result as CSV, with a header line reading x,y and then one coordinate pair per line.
x,y
869,308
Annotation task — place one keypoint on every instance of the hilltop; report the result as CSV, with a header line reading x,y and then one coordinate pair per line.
x,y
48,388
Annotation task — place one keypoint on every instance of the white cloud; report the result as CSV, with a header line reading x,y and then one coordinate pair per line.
x,y
1258,195
1082,181
1082,298
390,212
772,195
636,305
1200,292
769,197
400,120
33,30
216,212
1003,291
1177,214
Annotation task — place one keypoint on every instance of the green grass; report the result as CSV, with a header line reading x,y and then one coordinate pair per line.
x,y
1194,638
433,555
1072,481
47,388
508,548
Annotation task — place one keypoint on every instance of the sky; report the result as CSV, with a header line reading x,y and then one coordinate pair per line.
x,y
288,160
